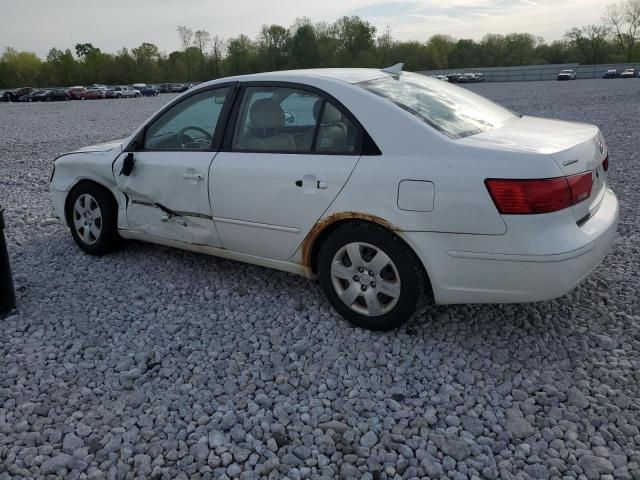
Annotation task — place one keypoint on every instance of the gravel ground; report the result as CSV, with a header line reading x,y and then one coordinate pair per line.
x,y
153,362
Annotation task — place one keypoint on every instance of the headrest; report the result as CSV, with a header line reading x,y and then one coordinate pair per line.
x,y
331,114
266,113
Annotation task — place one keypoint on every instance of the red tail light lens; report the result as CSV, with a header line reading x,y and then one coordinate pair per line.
x,y
532,196
580,186
605,164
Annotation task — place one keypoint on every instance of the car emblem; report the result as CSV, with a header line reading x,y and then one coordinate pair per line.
x,y
601,145
571,161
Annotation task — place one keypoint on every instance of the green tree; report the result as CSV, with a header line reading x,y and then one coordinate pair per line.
x,y
590,41
61,67
218,47
304,48
186,41
439,47
92,60
240,55
146,60
201,40
273,43
356,40
623,19
21,68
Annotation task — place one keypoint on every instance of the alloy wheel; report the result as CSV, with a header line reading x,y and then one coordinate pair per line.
x,y
87,218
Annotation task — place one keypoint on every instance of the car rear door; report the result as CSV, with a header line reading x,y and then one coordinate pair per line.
x,y
167,188
280,167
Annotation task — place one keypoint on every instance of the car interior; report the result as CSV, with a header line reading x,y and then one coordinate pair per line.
x,y
267,126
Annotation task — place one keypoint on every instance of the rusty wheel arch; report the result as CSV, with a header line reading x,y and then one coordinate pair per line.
x,y
321,230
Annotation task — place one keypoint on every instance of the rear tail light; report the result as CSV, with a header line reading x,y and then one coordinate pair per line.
x,y
580,186
531,196
605,164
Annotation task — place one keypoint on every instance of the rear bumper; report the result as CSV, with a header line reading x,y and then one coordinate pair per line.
x,y
520,266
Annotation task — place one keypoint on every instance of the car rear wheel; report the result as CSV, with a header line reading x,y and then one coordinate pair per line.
x,y
370,276
92,214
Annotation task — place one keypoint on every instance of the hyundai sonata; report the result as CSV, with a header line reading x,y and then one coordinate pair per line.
x,y
386,186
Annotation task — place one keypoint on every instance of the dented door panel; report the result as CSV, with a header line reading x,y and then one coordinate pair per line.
x,y
167,196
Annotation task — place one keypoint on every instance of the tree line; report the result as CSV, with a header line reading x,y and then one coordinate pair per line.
x,y
349,41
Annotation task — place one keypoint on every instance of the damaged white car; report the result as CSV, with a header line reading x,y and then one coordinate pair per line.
x,y
384,185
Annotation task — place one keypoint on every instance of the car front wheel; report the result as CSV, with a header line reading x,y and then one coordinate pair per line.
x,y
370,276
92,214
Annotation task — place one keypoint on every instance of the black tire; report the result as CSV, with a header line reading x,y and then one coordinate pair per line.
x,y
108,239
410,273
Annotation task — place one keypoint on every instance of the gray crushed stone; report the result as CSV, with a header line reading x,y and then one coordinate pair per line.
x,y
153,362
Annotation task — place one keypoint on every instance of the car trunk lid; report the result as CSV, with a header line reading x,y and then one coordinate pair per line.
x,y
575,147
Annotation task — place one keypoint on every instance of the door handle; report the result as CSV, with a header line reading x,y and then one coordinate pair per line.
x,y
193,176
319,184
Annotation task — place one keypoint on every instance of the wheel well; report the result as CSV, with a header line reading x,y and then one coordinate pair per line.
x,y
67,202
333,226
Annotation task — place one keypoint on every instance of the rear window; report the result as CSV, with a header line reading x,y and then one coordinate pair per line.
x,y
450,109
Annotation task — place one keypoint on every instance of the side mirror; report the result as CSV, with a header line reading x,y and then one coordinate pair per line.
x,y
289,118
128,164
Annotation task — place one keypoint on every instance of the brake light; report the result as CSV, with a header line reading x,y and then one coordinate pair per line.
x,y
580,186
533,196
605,163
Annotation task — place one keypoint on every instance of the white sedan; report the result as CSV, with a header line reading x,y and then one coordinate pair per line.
x,y
386,186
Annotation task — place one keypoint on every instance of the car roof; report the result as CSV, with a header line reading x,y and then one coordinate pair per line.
x,y
348,75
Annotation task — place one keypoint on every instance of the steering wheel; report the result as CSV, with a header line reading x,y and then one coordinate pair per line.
x,y
184,142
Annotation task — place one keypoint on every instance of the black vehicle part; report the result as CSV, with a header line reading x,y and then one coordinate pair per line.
x,y
7,292
128,164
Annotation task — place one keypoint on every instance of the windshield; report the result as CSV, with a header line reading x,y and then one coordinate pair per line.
x,y
452,110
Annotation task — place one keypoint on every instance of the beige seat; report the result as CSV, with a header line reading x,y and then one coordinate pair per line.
x,y
332,134
266,117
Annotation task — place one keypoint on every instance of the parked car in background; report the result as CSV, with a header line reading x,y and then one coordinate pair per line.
x,y
122,92
146,90
452,197
611,73
46,95
164,88
55,95
470,78
567,75
95,94
179,88
629,73
16,94
32,96
77,93
453,77
441,77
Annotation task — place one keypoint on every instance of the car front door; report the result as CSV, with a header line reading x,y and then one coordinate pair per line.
x,y
290,152
166,191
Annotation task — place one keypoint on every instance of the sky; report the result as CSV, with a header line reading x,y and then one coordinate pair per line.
x,y
38,25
